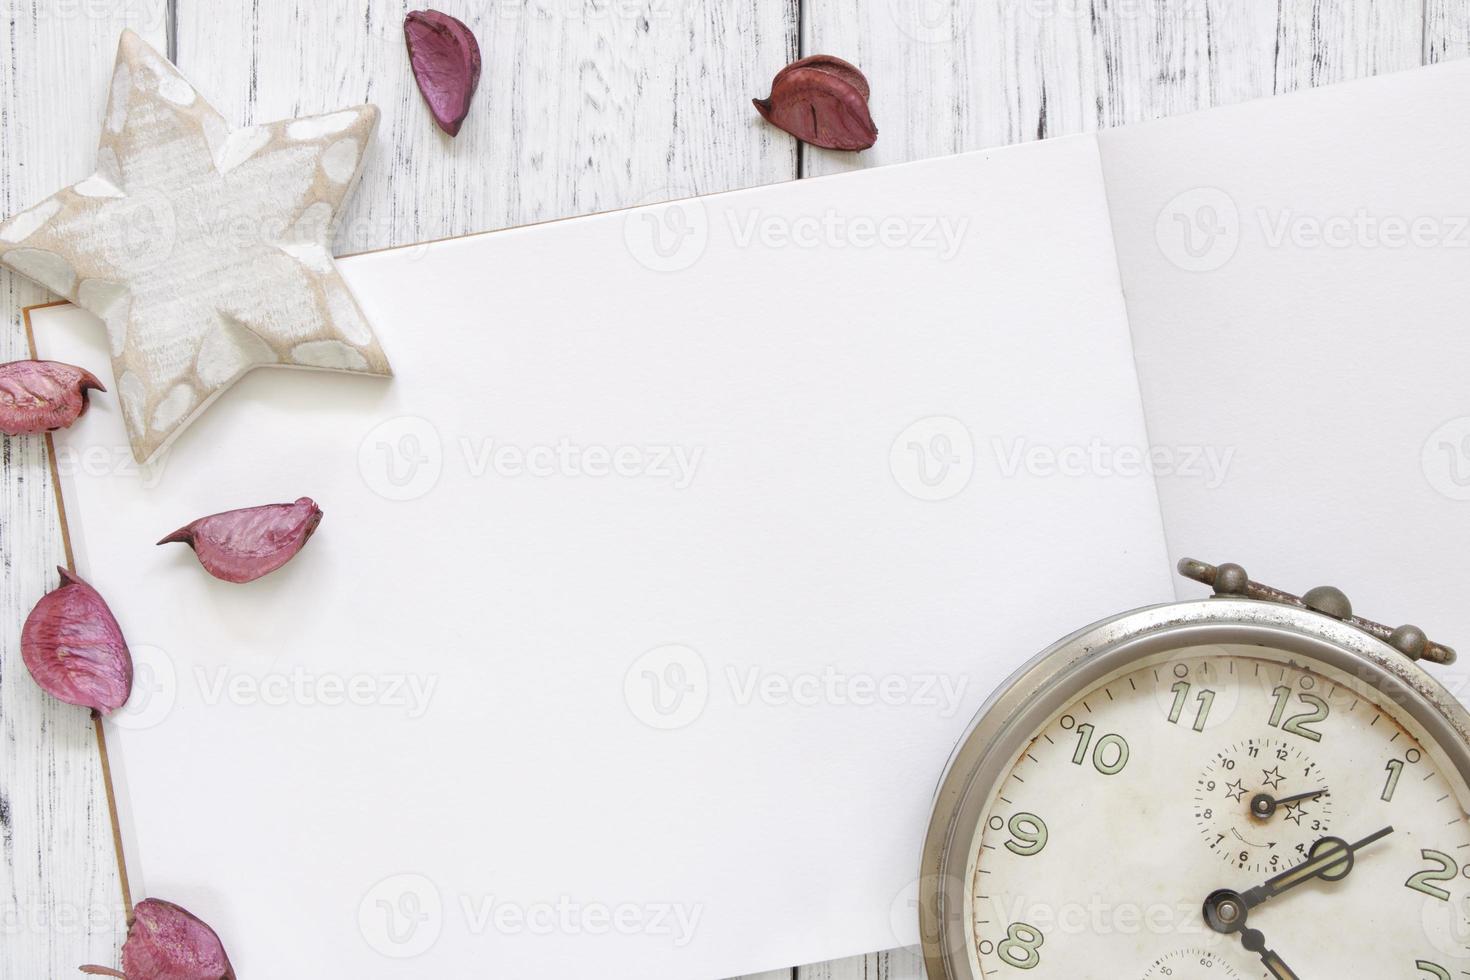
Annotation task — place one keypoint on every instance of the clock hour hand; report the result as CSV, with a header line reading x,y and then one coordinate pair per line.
x,y
1264,805
1226,912
1330,859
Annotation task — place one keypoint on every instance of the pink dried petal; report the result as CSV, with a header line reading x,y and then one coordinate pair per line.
x,y
39,396
74,648
823,101
242,545
446,64
166,942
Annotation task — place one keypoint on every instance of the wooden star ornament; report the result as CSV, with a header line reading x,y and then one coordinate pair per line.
x,y
205,251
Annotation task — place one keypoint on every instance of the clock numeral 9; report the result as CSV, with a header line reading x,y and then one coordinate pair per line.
x,y
1447,870
1297,724
1114,746
1020,946
1028,833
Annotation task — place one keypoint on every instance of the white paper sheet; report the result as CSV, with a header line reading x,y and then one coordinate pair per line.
x,y
1311,331
681,723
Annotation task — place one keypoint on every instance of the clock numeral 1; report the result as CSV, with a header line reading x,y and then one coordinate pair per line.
x,y
1206,699
1297,724
1113,745
1395,769
1020,946
1447,870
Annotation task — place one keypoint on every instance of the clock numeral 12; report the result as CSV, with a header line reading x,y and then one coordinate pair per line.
x,y
1297,724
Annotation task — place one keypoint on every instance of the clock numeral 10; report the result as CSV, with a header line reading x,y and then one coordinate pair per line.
x,y
1206,699
1297,724
1113,746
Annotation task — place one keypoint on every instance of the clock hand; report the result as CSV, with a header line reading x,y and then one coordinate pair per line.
x,y
1330,859
1227,912
1252,940
1264,805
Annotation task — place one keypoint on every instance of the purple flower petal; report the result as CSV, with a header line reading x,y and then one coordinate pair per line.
x,y
166,942
823,101
74,648
39,396
242,545
446,64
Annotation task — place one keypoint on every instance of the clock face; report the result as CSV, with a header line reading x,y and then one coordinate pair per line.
x,y
1223,811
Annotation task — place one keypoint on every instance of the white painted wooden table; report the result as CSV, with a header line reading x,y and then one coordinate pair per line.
x,y
585,105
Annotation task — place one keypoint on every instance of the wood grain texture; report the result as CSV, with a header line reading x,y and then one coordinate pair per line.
x,y
59,884
583,106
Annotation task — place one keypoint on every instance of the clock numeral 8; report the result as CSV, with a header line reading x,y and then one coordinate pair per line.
x,y
1020,946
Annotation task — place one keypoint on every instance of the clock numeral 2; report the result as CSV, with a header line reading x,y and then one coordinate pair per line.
x,y
1297,724
1206,699
1433,969
1447,870
1113,745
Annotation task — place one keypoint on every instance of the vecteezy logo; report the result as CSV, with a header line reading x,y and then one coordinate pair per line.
x,y
667,237
155,690
402,458
1199,230
934,458
1446,459
667,687
932,21
401,916
141,230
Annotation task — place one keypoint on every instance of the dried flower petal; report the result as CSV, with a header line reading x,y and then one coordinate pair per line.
x,y
166,942
39,396
823,101
242,545
74,648
446,63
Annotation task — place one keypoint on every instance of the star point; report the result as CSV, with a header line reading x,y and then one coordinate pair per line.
x,y
206,252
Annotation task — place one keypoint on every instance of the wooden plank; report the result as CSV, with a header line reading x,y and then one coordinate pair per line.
x,y
898,964
580,108
61,901
1446,30
994,74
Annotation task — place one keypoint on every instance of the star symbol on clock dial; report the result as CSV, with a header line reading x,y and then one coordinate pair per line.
x,y
1235,790
1272,777
204,251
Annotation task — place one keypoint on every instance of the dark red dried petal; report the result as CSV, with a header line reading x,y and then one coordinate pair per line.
x,y
446,63
75,650
39,396
823,101
242,545
832,64
166,942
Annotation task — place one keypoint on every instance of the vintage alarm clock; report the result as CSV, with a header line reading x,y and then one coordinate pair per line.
x,y
1249,785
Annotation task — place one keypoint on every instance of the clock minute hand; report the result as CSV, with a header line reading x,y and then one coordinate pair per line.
x,y
1330,859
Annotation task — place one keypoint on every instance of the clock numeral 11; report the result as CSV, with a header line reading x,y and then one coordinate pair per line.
x,y
1206,699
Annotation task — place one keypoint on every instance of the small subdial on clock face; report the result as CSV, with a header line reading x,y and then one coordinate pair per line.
x,y
1260,804
1190,964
